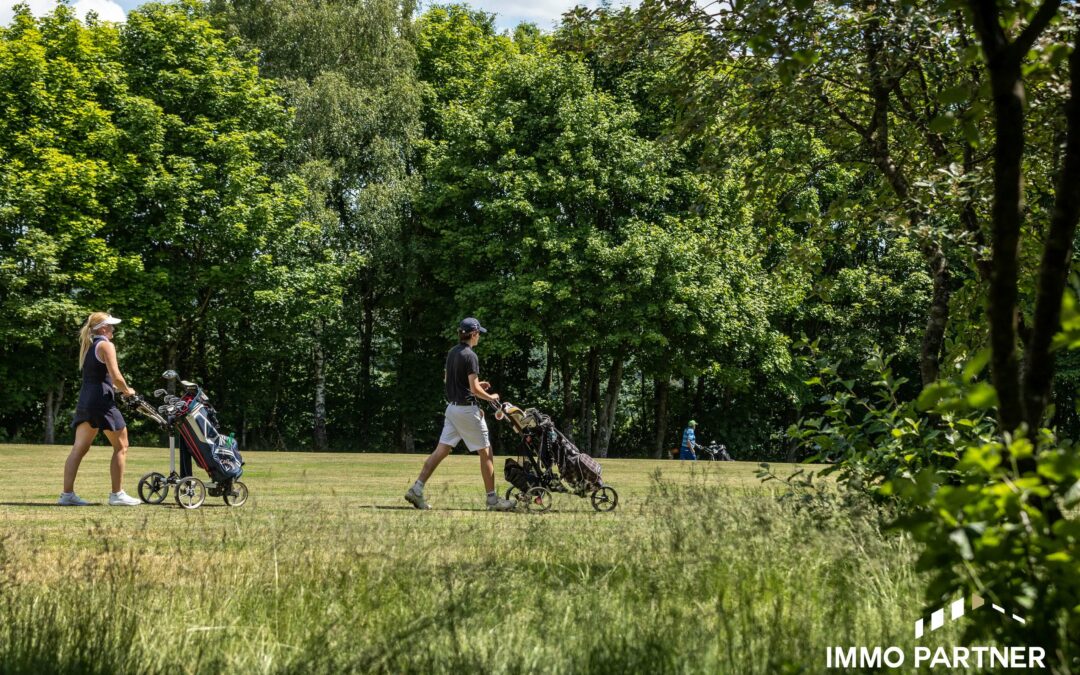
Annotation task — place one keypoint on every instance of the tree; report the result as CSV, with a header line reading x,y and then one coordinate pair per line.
x,y
878,82
1023,399
59,145
357,106
208,194
615,253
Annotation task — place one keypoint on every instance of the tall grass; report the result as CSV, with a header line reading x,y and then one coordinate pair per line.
x,y
686,577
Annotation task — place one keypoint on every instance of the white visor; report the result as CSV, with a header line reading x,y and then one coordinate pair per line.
x,y
111,321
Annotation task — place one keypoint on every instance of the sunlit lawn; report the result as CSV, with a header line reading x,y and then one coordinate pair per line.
x,y
328,569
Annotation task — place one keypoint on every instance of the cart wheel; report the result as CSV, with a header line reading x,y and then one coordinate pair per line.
x,y
238,495
153,488
605,499
514,493
190,493
538,499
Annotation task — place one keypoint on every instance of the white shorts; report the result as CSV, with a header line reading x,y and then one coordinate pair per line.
x,y
465,423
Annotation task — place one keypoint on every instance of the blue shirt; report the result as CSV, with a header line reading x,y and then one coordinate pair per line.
x,y
688,438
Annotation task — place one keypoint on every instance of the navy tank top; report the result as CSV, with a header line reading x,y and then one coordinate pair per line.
x,y
97,393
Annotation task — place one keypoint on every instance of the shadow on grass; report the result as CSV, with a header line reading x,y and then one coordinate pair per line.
x,y
48,504
520,511
387,507
91,504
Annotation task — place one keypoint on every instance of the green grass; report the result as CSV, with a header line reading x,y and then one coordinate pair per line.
x,y
327,569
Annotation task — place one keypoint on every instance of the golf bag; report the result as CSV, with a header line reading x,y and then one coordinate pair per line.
x,y
215,454
518,476
581,468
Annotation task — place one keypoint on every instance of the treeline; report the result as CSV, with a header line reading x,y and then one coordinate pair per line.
x,y
294,202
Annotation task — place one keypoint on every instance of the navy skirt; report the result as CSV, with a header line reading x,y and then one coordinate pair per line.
x,y
109,419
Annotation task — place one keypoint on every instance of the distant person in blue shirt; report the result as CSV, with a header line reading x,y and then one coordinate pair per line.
x,y
686,448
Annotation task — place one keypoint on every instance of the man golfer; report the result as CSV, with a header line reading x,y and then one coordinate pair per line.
x,y
464,420
686,448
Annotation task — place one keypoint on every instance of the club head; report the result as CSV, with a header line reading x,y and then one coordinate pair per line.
x,y
160,392
170,375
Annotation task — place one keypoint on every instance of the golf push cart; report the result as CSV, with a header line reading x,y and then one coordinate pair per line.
x,y
192,418
715,451
549,463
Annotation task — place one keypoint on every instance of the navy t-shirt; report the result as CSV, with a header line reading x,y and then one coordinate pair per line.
x,y
460,363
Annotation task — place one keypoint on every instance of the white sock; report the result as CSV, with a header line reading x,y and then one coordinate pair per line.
x,y
67,494
492,498
418,486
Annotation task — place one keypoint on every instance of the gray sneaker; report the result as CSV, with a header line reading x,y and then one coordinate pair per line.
x,y
502,505
71,499
417,499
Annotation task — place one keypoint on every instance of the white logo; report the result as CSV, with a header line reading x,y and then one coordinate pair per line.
x,y
979,657
956,609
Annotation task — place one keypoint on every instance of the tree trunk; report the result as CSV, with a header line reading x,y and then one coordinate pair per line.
x,y
545,384
366,337
588,387
1007,215
934,335
320,391
566,375
1007,211
610,404
699,397
594,401
876,137
644,412
1055,266
660,402
50,418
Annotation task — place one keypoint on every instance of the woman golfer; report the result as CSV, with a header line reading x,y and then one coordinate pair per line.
x,y
464,419
97,410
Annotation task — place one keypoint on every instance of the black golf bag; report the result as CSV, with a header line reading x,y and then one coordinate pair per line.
x,y
216,454
519,476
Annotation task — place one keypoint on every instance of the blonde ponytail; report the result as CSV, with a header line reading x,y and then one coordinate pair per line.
x,y
86,334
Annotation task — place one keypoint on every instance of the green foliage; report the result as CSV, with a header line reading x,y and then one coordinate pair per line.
x,y
336,285
143,175
550,214
876,434
59,146
994,516
649,228
1004,531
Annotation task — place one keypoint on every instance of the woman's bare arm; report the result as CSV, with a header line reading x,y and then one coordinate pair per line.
x,y
107,353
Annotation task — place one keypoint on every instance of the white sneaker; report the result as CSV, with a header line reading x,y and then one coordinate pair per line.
x,y
71,499
122,499
416,499
502,505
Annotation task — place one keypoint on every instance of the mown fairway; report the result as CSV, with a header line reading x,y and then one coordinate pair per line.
x,y
327,569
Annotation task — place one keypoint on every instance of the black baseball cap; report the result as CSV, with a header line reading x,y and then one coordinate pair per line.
x,y
471,325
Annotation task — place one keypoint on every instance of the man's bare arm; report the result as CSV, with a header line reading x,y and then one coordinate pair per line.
x,y
478,391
